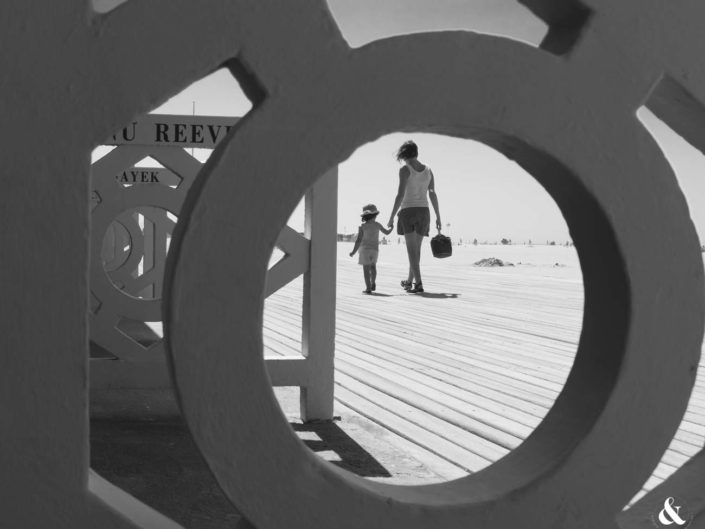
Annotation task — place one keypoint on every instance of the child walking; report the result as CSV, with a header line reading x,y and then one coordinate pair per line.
x,y
368,244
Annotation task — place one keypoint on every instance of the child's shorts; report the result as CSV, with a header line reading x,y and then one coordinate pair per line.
x,y
367,256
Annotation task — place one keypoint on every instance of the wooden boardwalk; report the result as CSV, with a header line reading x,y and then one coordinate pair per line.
x,y
462,374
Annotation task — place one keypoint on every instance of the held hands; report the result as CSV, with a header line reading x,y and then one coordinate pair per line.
x,y
390,224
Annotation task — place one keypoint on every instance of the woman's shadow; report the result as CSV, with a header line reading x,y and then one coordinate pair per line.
x,y
437,295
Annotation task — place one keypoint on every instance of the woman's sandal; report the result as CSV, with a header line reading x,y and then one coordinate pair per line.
x,y
418,287
406,284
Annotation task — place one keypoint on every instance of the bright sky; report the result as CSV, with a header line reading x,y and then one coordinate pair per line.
x,y
482,194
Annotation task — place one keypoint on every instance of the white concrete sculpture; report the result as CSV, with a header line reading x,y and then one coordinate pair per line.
x,y
566,113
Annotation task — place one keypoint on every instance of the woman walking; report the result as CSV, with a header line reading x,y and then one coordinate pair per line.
x,y
416,187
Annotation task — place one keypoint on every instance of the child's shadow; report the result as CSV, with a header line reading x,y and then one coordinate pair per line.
x,y
380,295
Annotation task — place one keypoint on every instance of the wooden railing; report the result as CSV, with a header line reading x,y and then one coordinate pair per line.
x,y
134,210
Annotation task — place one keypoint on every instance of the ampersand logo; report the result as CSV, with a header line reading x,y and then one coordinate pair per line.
x,y
671,515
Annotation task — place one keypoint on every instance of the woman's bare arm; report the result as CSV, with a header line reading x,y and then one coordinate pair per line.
x,y
403,178
434,200
383,229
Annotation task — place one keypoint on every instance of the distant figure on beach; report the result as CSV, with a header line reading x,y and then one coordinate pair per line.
x,y
416,183
368,243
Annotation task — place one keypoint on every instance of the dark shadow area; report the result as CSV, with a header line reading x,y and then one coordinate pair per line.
x,y
138,331
99,352
157,462
437,295
378,294
353,457
142,445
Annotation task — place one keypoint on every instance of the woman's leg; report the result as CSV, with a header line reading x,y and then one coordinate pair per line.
x,y
401,225
413,250
417,261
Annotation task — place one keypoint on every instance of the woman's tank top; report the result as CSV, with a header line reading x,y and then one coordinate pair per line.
x,y
415,194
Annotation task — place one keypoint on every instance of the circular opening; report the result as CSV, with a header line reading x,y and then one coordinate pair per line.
x,y
439,384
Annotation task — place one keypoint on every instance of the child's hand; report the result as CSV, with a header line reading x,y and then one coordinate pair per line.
x,y
352,253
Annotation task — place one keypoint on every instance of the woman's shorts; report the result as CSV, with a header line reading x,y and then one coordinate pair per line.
x,y
367,256
414,220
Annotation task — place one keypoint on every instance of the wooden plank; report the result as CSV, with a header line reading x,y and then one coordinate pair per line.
x,y
503,347
501,368
399,425
464,357
483,407
444,469
488,450
468,363
477,335
464,415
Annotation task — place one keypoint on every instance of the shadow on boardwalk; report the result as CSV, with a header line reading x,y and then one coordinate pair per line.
x,y
438,295
152,456
348,453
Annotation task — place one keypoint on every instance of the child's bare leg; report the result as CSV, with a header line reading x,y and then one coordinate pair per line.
x,y
366,272
373,277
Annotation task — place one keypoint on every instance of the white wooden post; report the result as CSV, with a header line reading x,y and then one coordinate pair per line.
x,y
318,318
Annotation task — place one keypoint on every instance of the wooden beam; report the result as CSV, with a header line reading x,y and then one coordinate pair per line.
x,y
318,319
287,371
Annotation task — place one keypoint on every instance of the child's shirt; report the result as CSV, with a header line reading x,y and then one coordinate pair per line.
x,y
370,235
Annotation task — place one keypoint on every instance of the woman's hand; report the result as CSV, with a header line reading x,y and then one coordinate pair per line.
x,y
438,224
390,224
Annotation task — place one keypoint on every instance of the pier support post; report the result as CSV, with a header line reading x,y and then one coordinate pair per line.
x,y
318,317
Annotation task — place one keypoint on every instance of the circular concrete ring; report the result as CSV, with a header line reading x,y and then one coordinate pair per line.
x,y
620,201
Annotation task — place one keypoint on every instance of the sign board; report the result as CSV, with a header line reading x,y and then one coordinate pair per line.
x,y
175,131
147,175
